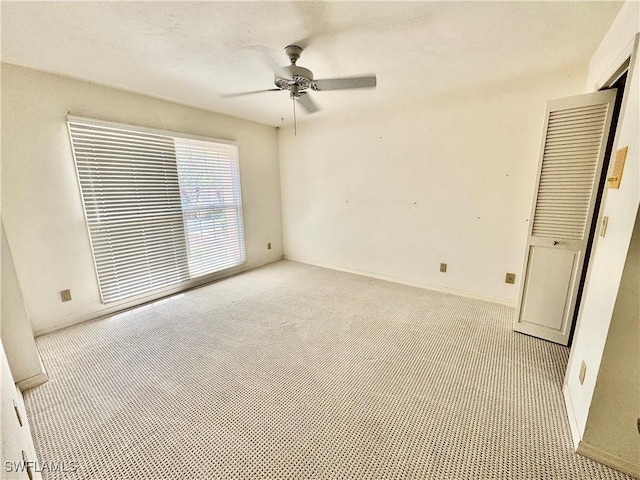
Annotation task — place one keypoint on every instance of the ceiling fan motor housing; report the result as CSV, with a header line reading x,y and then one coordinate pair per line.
x,y
293,75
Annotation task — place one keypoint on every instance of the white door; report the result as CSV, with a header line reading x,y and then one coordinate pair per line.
x,y
571,158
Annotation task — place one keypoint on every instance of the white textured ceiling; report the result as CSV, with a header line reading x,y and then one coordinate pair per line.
x,y
190,52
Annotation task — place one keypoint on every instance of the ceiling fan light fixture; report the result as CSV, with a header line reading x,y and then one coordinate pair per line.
x,y
293,74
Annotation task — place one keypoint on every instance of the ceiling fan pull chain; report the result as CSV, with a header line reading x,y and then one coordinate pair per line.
x,y
295,126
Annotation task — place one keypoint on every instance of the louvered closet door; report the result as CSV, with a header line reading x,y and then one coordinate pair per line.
x,y
571,159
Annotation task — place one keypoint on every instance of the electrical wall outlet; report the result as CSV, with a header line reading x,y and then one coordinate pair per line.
x,y
583,372
65,295
510,278
269,246
443,267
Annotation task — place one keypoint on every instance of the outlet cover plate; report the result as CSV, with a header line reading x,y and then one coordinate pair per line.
x,y
65,295
443,267
510,278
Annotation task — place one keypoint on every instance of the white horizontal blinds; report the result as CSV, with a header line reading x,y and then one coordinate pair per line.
x,y
212,205
129,183
569,163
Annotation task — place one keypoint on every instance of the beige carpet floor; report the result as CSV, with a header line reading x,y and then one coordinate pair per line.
x,y
294,371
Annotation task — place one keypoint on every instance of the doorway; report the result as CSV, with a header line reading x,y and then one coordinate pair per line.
x,y
618,84
578,140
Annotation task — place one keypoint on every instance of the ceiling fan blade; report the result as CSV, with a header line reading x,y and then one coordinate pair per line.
x,y
307,103
242,94
268,58
368,81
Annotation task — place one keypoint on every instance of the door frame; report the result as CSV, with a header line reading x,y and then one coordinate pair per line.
x,y
578,398
596,221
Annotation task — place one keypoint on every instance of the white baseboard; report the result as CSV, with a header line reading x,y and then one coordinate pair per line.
x,y
452,291
571,416
33,381
154,296
628,466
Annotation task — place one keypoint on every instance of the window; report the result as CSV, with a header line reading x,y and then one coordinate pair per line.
x,y
161,208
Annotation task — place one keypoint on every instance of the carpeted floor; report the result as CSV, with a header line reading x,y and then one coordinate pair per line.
x,y
294,371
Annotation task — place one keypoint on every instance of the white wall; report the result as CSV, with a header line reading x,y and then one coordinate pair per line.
x,y
395,192
17,335
621,206
41,204
611,424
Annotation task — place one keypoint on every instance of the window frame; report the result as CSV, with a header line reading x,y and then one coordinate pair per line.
x,y
150,295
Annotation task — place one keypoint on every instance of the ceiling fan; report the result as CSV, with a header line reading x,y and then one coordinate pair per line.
x,y
299,81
